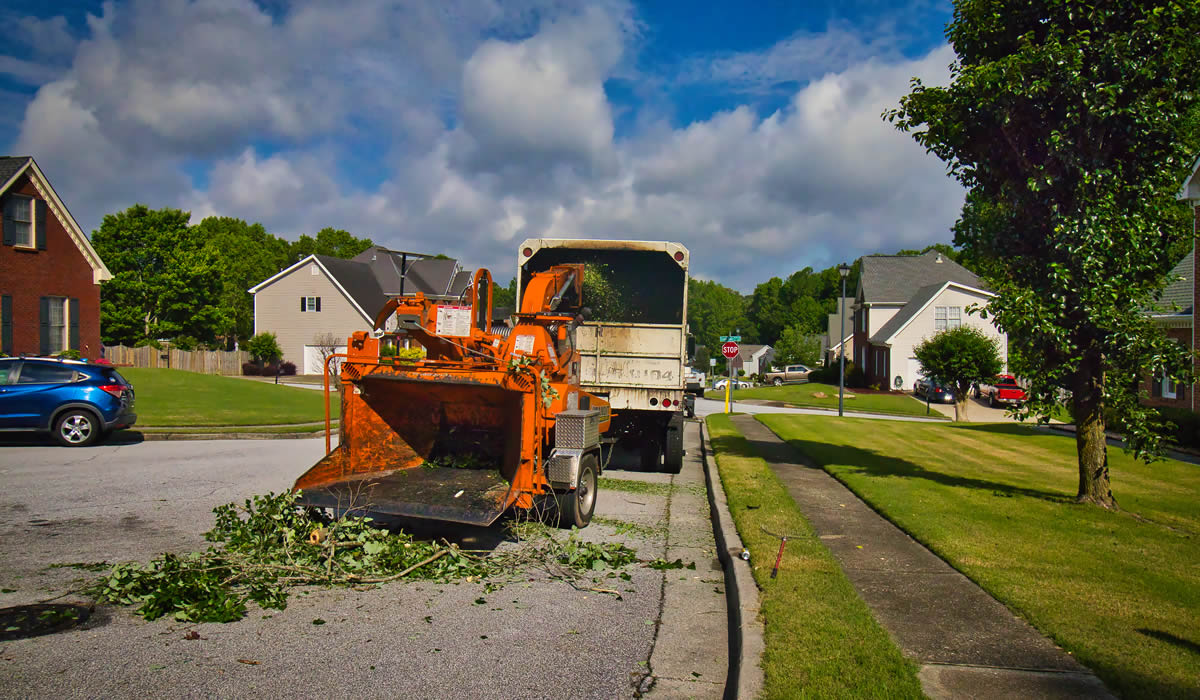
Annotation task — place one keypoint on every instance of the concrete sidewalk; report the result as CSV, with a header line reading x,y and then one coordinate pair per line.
x,y
967,644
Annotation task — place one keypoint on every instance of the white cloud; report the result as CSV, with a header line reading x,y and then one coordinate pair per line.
x,y
482,124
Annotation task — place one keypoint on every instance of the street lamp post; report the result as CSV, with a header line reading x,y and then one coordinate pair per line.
x,y
843,271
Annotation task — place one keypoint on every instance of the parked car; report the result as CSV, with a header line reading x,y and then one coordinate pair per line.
x,y
77,402
737,384
1003,391
789,374
933,389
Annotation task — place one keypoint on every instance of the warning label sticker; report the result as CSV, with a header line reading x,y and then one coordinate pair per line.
x,y
523,343
454,321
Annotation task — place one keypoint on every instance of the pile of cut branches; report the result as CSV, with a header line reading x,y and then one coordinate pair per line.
x,y
268,545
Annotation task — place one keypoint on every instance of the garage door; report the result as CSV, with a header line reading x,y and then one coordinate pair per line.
x,y
314,355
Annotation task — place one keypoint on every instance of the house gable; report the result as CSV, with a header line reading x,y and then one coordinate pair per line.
x,y
17,170
924,298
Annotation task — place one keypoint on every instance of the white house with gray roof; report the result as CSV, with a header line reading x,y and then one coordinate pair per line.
x,y
322,295
903,299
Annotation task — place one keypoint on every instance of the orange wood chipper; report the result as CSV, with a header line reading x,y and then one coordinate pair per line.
x,y
491,418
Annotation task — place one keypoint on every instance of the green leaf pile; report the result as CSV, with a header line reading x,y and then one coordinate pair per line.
x,y
265,546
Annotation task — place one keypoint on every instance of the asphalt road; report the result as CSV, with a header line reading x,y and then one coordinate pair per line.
x,y
535,638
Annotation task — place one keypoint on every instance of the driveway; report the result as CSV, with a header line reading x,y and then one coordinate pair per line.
x,y
534,636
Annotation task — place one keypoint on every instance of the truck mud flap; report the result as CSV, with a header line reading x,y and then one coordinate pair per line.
x,y
469,496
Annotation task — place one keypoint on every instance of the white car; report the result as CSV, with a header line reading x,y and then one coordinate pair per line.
x,y
737,384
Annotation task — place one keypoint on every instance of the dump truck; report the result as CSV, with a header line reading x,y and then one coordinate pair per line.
x,y
492,418
633,339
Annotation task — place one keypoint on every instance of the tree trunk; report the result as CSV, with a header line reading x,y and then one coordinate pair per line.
x,y
1091,444
960,409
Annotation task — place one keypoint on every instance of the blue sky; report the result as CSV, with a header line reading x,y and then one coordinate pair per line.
x,y
750,132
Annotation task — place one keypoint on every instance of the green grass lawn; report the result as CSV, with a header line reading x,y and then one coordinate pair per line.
x,y
179,398
1119,590
802,395
821,640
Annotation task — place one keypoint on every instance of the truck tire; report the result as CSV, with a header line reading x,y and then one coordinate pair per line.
x,y
777,381
673,459
992,399
575,507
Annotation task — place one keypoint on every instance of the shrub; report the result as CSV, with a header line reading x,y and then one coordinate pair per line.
x,y
287,368
69,355
264,347
249,369
1187,425
186,343
855,377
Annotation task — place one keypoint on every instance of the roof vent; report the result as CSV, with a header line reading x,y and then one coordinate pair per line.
x,y
938,259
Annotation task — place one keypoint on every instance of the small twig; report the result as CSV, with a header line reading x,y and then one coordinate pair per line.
x,y
440,553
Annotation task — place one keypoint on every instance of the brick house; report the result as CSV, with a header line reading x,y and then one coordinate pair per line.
x,y
902,300
1175,310
49,273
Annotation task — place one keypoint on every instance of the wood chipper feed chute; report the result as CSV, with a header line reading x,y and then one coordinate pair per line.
x,y
465,433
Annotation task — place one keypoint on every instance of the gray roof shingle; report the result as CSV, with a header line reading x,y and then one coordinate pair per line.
x,y
357,280
1177,297
11,165
922,297
895,279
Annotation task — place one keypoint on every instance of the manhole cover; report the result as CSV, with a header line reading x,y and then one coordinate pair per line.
x,y
22,621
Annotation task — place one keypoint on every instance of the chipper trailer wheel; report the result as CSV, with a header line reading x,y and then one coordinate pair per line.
x,y
575,507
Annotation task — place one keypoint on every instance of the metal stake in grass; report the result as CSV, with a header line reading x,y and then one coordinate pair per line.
x,y
782,543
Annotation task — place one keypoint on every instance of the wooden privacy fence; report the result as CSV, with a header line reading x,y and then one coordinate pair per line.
x,y
204,361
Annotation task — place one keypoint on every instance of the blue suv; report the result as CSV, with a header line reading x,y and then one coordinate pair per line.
x,y
77,402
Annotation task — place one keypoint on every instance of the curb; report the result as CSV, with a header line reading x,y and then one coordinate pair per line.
x,y
744,678
160,437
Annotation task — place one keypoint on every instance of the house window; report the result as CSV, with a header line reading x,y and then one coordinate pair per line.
x,y
946,317
862,320
21,212
313,270
310,304
57,321
1169,388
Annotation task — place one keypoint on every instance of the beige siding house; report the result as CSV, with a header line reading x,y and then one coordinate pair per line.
x,y
322,296
306,301
901,301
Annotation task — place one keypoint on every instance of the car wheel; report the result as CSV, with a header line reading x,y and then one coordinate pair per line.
x,y
777,382
992,400
77,428
575,507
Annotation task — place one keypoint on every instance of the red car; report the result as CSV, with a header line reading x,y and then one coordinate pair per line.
x,y
1004,391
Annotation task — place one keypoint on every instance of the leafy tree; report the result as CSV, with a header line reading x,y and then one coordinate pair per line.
x,y
797,345
333,242
714,310
505,297
1065,121
768,312
247,255
961,357
165,280
264,347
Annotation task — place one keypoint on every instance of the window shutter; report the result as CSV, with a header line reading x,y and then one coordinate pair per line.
x,y
1156,386
39,222
301,304
73,310
6,325
10,226
318,303
44,334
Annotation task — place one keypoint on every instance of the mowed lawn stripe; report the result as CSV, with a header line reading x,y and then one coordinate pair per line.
x,y
802,395
821,639
179,398
1119,590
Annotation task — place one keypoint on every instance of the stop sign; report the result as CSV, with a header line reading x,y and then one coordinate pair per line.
x,y
729,350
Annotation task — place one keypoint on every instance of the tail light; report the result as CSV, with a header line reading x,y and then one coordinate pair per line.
x,y
114,389
667,402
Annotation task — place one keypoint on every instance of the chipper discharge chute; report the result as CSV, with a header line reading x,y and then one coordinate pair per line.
x,y
489,419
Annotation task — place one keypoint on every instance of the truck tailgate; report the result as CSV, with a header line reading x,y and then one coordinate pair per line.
x,y
630,355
